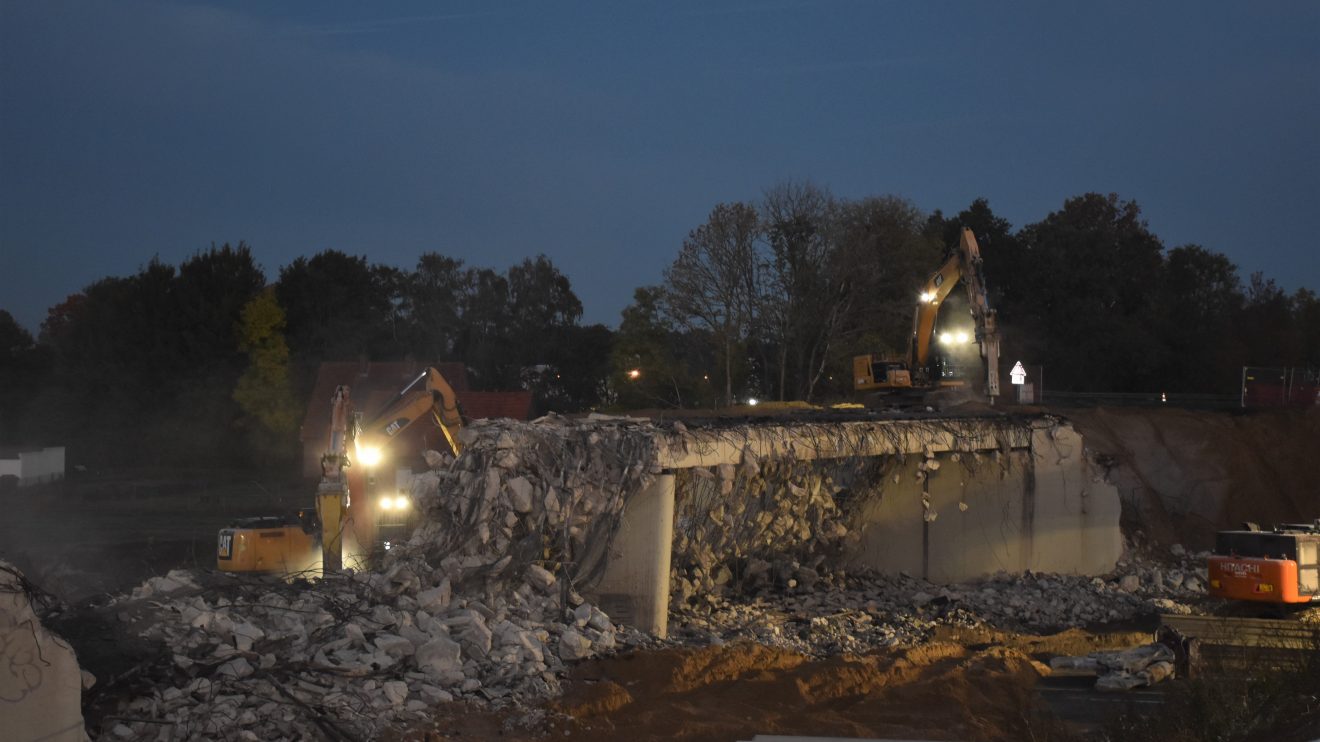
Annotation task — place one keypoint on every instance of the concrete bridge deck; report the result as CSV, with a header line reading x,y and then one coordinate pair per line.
x,y
946,515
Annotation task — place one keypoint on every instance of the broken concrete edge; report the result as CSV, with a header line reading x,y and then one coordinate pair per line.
x,y
41,685
804,441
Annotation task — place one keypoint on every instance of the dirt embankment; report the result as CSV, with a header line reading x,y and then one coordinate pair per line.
x,y
940,690
1184,474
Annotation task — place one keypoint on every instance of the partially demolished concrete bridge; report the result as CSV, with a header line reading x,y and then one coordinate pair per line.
x,y
952,499
625,510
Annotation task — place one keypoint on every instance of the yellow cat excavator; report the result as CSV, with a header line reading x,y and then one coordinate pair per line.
x,y
920,369
287,543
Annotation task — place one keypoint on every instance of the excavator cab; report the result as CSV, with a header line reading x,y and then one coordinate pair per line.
x,y
873,372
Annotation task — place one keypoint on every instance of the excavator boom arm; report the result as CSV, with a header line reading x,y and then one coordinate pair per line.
x,y
964,265
937,289
445,409
987,321
437,399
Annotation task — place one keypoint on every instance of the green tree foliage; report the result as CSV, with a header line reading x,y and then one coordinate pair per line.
x,y
568,362
23,366
790,290
396,334
143,365
1306,318
668,372
211,289
1090,294
185,364
1267,324
1091,273
713,284
14,340
484,343
201,364
541,296
434,305
513,330
1195,313
576,377
264,391
115,366
541,306
783,294
338,308
802,301
885,254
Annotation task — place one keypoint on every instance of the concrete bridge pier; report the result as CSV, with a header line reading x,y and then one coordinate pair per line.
x,y
635,587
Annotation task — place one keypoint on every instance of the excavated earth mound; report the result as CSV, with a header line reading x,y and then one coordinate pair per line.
x,y
1184,474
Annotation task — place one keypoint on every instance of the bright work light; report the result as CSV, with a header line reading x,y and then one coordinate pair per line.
x,y
369,455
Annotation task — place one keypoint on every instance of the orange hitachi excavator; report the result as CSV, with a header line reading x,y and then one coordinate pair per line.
x,y
1280,566
287,543
920,368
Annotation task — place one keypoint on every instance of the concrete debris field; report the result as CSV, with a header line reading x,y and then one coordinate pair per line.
x,y
825,540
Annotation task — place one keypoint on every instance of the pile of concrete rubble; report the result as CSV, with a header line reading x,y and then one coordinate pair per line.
x,y
749,527
481,603
552,492
1123,670
484,601
351,656
821,611
261,659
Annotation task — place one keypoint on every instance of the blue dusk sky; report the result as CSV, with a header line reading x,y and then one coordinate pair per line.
x,y
599,134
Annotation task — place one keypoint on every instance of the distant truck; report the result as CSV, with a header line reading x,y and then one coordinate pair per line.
x,y
1280,387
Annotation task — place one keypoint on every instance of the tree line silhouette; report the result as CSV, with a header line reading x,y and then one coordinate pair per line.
x,y
208,363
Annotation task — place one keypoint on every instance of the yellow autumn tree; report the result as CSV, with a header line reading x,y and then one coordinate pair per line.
x,y
264,391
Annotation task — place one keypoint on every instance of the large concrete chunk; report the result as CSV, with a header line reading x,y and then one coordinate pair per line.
x,y
40,681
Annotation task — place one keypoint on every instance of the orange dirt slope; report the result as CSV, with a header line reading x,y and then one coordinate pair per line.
x,y
733,692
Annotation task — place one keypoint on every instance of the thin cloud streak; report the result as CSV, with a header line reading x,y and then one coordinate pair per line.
x,y
382,24
761,7
873,64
